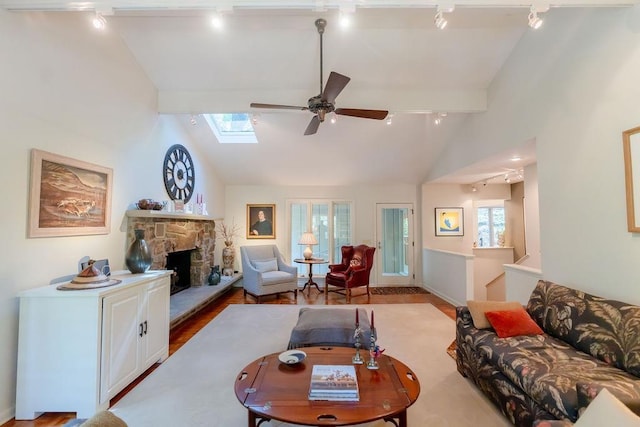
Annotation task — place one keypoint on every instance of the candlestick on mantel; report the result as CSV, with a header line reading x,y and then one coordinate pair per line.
x,y
372,319
357,319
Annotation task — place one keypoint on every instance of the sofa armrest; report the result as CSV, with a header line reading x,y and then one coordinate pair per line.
x,y
463,317
626,392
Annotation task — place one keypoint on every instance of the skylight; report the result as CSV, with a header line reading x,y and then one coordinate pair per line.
x,y
232,128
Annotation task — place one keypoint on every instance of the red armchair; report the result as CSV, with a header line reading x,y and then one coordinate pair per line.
x,y
353,272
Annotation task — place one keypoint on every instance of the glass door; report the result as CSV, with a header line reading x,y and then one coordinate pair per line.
x,y
394,253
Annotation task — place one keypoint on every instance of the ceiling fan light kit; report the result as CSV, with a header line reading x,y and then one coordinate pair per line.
x,y
324,103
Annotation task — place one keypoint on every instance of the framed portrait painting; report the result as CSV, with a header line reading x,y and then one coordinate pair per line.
x,y
261,222
449,221
68,197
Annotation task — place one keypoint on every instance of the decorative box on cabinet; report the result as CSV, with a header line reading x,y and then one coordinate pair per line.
x,y
78,349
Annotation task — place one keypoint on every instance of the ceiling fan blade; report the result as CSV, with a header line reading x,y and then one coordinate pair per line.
x,y
282,107
335,84
313,126
365,114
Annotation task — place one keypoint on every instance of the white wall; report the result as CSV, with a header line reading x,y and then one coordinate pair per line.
x,y
532,217
572,86
455,196
364,200
72,91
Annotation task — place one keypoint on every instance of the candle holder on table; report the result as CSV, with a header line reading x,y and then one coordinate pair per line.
x,y
357,359
374,351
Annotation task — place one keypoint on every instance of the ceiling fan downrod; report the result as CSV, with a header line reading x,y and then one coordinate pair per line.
x,y
320,25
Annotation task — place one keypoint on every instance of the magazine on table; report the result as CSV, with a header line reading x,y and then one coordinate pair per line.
x,y
334,382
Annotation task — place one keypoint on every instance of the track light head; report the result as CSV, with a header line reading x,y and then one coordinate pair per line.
x,y
535,21
99,23
440,21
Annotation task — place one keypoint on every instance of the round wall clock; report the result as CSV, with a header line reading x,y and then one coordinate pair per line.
x,y
179,175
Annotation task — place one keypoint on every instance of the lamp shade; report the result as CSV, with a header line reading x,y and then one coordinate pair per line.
x,y
308,239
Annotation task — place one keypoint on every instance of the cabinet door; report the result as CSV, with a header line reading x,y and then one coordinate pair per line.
x,y
156,323
121,333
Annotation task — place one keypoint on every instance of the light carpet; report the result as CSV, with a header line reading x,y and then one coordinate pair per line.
x,y
195,386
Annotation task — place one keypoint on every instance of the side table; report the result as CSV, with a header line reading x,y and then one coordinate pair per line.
x,y
310,262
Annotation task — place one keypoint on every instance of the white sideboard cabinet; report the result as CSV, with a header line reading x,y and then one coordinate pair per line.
x,y
78,348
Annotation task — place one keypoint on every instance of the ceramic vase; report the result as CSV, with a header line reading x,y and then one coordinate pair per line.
x,y
138,256
228,258
214,276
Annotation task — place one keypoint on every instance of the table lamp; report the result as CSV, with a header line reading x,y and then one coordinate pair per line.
x,y
308,239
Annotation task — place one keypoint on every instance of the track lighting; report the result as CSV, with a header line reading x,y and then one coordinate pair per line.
x,y
255,119
216,21
439,117
99,23
346,14
535,21
439,20
193,120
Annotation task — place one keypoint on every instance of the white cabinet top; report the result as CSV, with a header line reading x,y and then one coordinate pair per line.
x,y
128,280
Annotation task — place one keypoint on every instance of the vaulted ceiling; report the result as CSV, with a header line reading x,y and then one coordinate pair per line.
x,y
269,52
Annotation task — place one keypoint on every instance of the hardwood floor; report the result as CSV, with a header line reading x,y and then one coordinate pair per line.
x,y
183,332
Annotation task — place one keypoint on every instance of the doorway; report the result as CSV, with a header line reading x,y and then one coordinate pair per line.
x,y
395,243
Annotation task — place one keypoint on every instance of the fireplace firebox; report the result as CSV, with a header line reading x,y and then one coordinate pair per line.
x,y
180,263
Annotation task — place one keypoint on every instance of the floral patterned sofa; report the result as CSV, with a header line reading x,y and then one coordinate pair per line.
x,y
588,343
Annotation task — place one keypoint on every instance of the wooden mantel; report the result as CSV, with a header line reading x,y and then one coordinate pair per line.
x,y
141,213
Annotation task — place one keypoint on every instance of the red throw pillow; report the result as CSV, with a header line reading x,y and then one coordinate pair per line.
x,y
511,323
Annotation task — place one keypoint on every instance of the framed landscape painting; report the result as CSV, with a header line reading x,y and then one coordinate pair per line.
x,y
449,221
261,221
68,197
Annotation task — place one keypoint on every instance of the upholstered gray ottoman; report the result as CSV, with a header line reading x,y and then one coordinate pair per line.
x,y
329,327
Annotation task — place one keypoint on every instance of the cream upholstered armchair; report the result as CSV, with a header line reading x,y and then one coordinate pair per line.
x,y
264,272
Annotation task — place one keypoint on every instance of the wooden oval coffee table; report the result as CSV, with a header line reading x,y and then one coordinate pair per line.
x,y
272,390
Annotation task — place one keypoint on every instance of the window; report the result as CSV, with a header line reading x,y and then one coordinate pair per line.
x,y
491,226
329,221
232,128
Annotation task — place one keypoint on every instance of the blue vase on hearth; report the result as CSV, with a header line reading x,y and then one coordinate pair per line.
x,y
214,276
138,256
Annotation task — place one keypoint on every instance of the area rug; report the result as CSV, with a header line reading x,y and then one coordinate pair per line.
x,y
195,386
397,290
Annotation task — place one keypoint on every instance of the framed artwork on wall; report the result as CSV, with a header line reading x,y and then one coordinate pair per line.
x,y
68,197
449,222
261,221
631,149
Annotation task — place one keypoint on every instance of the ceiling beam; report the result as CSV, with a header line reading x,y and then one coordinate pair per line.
x,y
124,5
198,102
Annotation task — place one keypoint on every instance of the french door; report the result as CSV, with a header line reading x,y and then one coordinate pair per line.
x,y
331,222
395,244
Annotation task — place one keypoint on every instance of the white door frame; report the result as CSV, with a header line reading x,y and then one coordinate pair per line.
x,y
406,278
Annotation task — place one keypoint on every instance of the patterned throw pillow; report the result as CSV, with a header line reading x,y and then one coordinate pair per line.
x,y
355,262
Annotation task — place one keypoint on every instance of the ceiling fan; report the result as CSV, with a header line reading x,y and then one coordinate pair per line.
x,y
322,104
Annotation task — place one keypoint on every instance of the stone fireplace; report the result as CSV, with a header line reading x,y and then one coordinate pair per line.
x,y
170,233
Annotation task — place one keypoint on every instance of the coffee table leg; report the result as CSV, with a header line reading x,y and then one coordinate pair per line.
x,y
253,419
402,419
